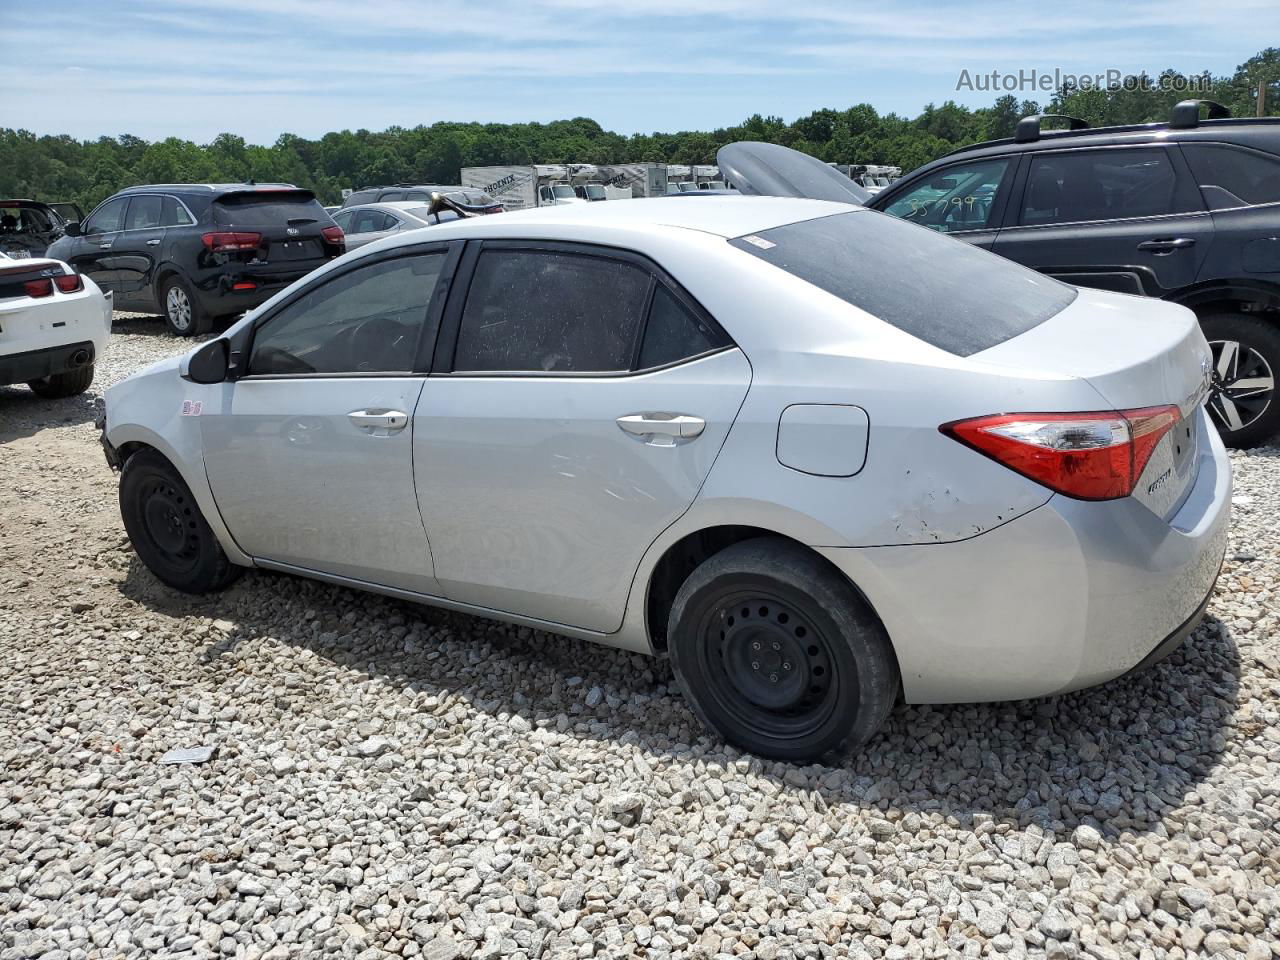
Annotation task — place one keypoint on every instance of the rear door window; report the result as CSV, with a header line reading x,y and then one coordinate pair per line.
x,y
551,312
1233,177
943,291
1100,185
144,212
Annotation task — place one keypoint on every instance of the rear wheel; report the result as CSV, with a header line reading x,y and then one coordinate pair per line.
x,y
67,384
778,654
182,311
1246,359
167,529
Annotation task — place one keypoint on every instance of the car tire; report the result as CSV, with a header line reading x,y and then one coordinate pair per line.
x,y
59,385
1246,349
167,529
778,654
182,310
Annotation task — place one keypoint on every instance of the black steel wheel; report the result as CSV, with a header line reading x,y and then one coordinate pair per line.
x,y
167,529
777,653
1246,358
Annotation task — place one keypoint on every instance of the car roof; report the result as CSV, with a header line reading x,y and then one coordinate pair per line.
x,y
723,216
21,203
210,188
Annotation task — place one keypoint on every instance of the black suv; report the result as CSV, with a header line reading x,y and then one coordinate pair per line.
x,y
198,252
1188,211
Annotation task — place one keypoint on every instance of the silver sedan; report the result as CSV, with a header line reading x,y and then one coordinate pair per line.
x,y
367,222
820,457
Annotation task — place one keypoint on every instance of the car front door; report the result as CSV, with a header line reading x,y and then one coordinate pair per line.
x,y
1118,218
966,200
93,251
136,249
579,400
310,457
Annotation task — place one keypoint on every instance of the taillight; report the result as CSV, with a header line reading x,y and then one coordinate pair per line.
x,y
227,242
1089,456
334,235
39,288
69,282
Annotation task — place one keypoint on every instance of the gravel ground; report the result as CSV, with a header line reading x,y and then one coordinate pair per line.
x,y
393,780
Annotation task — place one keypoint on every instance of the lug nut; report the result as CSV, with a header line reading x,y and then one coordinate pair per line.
x,y
755,664
776,645
786,664
755,645
773,678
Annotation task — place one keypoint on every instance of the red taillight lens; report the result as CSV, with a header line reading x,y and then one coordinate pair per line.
x,y
226,242
69,282
39,288
1090,456
334,235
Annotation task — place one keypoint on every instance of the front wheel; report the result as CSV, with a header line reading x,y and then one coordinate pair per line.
x,y
167,529
182,311
776,652
1246,358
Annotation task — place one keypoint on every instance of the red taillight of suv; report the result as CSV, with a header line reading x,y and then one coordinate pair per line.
x,y
335,236
1089,456
228,242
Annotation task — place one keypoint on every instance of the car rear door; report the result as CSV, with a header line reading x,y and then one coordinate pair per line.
x,y
1125,218
136,249
578,401
310,459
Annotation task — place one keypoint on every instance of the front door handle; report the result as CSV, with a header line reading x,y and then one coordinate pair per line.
x,y
1164,247
379,422
674,425
105,246
153,243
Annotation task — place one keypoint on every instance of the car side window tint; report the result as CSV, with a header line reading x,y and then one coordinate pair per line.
x,y
367,320
144,212
174,214
1099,185
539,310
956,198
107,218
673,333
1231,177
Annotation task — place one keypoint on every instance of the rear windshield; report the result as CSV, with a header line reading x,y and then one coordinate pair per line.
x,y
936,288
268,209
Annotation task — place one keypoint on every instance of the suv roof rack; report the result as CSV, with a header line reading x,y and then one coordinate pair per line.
x,y
1187,113
1028,128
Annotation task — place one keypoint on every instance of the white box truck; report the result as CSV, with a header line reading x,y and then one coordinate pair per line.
x,y
523,188
623,180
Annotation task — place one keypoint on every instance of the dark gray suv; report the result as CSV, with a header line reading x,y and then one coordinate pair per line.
x,y
1188,211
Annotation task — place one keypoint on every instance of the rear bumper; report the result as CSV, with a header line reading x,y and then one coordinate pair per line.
x,y
1066,596
218,294
45,362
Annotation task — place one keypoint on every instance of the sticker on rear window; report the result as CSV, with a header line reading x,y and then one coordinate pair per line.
x,y
760,242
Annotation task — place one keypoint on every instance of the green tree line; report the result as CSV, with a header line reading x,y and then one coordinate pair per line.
x,y
64,168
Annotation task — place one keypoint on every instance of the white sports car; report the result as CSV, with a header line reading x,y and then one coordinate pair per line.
x,y
821,457
54,324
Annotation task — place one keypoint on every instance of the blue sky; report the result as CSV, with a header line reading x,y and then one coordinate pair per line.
x,y
262,67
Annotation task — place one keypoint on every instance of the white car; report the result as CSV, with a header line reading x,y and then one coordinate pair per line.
x,y
54,324
820,456
367,222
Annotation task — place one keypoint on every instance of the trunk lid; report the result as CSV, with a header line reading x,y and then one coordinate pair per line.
x,y
1135,352
772,170
290,223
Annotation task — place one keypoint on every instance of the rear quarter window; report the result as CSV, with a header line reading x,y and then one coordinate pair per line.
x,y
943,291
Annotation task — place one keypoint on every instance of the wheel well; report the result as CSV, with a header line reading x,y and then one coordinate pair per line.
x,y
127,450
684,556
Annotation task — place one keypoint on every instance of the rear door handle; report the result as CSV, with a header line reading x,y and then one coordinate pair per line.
x,y
379,422
105,246
1166,246
671,425
153,243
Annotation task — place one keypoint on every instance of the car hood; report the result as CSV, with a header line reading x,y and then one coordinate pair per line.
x,y
771,170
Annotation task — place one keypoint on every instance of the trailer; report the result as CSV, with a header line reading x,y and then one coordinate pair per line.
x,y
631,180
537,185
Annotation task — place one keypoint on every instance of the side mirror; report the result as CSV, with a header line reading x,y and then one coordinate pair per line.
x,y
209,363
72,229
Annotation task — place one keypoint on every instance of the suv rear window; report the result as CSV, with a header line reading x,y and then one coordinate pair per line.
x,y
943,291
267,209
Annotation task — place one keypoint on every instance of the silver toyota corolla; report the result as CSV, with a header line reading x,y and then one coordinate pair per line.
x,y
819,456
